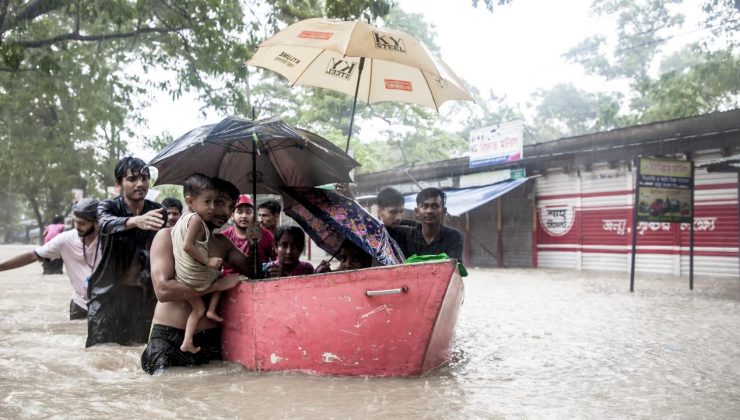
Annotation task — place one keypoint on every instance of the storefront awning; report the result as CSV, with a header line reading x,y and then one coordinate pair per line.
x,y
463,200
726,164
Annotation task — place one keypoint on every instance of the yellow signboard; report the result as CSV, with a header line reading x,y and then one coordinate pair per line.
x,y
664,191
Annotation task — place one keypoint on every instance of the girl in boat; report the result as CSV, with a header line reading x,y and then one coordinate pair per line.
x,y
290,242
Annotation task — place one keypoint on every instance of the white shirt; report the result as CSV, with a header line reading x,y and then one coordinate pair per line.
x,y
79,266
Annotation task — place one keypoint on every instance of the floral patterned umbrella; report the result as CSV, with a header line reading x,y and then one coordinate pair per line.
x,y
330,219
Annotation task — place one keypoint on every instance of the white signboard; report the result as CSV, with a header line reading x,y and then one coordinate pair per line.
x,y
496,144
557,220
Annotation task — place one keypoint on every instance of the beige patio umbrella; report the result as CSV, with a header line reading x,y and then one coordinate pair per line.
x,y
360,60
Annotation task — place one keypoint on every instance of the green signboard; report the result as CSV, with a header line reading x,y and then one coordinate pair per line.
x,y
664,191
518,173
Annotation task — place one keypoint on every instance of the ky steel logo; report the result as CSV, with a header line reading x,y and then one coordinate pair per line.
x,y
389,43
341,68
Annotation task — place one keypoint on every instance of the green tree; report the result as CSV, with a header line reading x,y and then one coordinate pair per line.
x,y
74,75
700,78
704,77
564,110
706,81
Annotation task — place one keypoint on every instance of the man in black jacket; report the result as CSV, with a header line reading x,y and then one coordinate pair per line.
x,y
430,236
121,299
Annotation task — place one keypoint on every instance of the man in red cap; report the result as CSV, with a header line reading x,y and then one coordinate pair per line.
x,y
246,227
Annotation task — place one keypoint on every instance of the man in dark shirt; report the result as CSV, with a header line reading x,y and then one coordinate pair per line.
x,y
174,210
430,236
121,299
269,215
390,207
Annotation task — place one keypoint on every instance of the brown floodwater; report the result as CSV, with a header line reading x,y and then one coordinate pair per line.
x,y
530,344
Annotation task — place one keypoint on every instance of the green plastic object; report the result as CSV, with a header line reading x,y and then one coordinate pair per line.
x,y
436,257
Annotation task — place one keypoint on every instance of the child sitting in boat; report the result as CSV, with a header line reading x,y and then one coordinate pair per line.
x,y
351,257
190,238
290,241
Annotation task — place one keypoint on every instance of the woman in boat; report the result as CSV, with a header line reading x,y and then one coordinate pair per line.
x,y
290,241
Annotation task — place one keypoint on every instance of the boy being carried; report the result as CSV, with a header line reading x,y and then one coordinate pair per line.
x,y
190,238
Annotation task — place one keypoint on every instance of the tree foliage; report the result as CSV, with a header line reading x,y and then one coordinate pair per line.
x,y
703,77
74,76
565,110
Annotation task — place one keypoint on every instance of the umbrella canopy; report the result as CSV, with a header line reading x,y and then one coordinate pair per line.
x,y
355,58
283,155
330,219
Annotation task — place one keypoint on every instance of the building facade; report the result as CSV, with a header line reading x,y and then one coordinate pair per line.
x,y
575,210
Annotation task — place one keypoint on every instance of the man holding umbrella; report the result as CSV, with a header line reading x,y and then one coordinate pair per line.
x,y
245,231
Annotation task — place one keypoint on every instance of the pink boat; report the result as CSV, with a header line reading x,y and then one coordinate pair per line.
x,y
384,321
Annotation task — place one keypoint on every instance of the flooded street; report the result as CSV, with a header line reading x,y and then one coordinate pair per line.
x,y
530,344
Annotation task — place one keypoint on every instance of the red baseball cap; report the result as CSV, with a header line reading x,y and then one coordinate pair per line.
x,y
244,199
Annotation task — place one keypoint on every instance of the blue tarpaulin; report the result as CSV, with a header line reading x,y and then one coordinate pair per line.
x,y
463,200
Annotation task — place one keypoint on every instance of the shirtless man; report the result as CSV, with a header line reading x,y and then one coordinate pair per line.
x,y
172,310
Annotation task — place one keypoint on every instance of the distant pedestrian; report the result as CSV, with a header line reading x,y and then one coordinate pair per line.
x,y
55,228
53,266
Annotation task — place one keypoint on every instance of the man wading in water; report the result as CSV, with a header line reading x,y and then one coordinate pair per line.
x,y
172,310
120,291
78,248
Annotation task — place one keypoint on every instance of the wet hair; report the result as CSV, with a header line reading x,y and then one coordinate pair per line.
x,y
136,166
57,219
390,197
197,183
226,187
428,193
297,233
172,202
86,209
358,254
272,206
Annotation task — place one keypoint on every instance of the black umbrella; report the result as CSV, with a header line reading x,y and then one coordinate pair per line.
x,y
260,156
236,148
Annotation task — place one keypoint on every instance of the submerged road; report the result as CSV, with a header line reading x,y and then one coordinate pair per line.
x,y
530,344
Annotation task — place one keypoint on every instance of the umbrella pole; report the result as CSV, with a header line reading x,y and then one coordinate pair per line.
x,y
354,103
255,247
